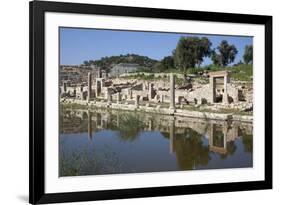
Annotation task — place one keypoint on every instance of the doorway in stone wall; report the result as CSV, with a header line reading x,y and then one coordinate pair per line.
x,y
219,89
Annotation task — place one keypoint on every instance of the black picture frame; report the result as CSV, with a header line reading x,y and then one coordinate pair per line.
x,y
37,10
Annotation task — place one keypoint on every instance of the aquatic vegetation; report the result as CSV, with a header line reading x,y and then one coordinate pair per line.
x,y
88,162
248,143
130,125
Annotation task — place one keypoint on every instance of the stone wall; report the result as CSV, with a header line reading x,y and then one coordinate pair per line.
x,y
233,93
200,94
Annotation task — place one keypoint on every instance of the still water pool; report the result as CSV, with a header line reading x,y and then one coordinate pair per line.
x,y
111,142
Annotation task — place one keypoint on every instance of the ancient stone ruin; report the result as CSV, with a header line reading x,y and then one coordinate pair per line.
x,y
159,93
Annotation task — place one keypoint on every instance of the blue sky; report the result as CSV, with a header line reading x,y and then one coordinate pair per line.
x,y
77,44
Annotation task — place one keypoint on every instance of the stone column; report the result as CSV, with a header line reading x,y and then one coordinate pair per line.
x,y
118,97
84,96
150,89
130,94
225,95
81,92
161,98
172,91
109,97
64,87
98,87
89,86
75,93
137,101
212,89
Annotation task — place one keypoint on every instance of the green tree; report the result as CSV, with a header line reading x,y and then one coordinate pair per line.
x,y
216,58
165,64
91,62
204,50
108,61
168,62
86,63
226,54
248,54
190,52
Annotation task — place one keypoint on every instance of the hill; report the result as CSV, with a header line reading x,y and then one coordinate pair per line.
x,y
108,62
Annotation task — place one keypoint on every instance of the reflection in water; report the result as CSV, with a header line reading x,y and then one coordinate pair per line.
x,y
107,142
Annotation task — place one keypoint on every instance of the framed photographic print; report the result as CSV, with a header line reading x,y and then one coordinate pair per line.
x,y
140,102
